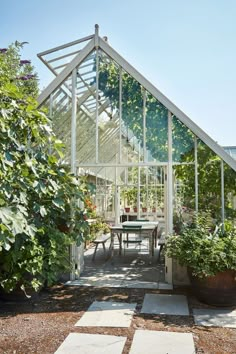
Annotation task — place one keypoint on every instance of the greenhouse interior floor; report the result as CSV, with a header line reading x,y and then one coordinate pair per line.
x,y
134,268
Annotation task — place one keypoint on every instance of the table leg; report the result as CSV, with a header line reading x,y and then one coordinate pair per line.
x,y
120,242
112,244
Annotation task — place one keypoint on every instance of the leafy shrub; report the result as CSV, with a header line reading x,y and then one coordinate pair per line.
x,y
203,247
36,191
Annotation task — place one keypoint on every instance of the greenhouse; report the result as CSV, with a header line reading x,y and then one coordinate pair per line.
x,y
146,158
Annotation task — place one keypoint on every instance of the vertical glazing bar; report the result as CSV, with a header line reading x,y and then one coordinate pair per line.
x,y
50,116
144,125
73,248
138,195
222,193
73,122
97,107
169,178
117,200
120,114
51,106
196,172
169,212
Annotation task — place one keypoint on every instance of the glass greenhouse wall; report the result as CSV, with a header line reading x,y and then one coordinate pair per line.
x,y
140,150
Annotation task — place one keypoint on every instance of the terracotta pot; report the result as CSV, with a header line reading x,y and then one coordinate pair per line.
x,y
127,210
218,290
144,210
154,210
135,210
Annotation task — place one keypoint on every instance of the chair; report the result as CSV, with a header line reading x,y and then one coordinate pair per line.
x,y
136,229
100,240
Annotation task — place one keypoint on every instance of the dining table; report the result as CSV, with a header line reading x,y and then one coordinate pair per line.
x,y
143,228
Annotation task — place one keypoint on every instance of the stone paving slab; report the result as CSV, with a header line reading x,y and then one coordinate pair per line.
x,y
165,286
116,283
136,284
92,281
215,317
156,342
163,304
108,314
83,343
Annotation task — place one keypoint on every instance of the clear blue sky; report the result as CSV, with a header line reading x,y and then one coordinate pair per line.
x,y
187,49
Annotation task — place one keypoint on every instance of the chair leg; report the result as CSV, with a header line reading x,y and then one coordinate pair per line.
x,y
94,254
104,248
159,254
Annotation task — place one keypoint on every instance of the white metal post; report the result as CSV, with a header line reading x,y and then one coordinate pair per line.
x,y
222,193
97,109
120,114
96,37
73,121
117,200
138,195
196,172
51,115
73,253
169,228
144,125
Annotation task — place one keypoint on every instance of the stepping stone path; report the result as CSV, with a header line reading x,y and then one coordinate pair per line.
x,y
108,314
218,318
91,343
119,314
165,304
155,342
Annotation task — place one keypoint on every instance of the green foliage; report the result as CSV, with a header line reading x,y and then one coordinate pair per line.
x,y
203,247
209,182
129,195
98,227
17,71
37,193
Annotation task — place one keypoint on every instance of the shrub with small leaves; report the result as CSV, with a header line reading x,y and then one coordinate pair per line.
x,y
203,247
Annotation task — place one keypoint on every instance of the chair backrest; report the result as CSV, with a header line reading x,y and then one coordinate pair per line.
x,y
135,228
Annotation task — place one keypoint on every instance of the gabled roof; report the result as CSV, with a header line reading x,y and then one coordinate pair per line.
x,y
94,42
231,150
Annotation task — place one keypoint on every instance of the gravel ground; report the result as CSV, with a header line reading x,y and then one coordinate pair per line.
x,y
41,325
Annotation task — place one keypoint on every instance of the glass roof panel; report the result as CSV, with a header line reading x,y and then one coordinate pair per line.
x,y
182,142
156,130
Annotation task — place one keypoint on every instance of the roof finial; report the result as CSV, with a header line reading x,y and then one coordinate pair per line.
x,y
96,29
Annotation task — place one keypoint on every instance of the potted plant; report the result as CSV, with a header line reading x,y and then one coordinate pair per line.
x,y
130,197
209,253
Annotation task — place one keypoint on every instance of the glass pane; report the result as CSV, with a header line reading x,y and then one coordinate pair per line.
x,y
132,119
156,130
209,181
61,116
182,142
86,110
183,195
230,192
108,105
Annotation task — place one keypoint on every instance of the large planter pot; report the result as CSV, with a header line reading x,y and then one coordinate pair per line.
x,y
218,290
